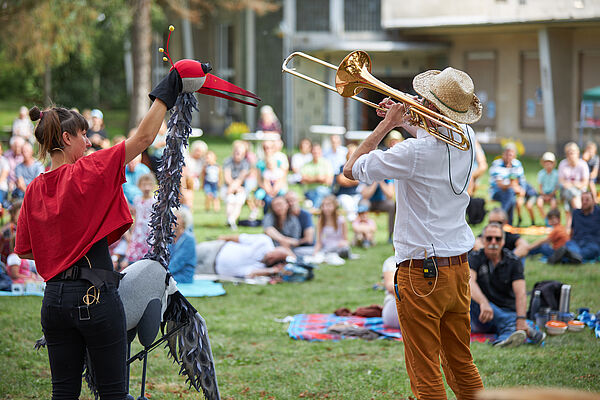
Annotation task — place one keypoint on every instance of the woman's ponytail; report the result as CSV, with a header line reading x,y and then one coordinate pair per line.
x,y
53,122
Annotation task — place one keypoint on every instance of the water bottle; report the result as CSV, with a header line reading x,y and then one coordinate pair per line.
x,y
565,298
535,304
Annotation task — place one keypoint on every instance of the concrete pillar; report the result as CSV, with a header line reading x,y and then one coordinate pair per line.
x,y
556,68
288,28
250,26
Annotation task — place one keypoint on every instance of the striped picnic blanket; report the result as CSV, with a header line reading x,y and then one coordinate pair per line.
x,y
313,327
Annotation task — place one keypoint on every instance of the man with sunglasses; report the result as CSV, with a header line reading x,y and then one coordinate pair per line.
x,y
498,294
512,241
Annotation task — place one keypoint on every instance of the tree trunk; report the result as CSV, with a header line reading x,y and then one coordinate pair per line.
x,y
141,39
48,85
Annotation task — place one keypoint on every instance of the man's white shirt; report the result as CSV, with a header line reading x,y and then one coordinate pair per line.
x,y
429,215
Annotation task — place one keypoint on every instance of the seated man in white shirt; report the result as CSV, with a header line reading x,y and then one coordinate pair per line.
x,y
241,256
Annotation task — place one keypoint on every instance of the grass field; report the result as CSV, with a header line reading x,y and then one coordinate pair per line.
x,y
255,358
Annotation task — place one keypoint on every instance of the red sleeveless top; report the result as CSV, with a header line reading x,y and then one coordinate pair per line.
x,y
67,210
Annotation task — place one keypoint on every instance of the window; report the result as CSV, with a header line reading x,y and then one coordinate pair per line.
x,y
312,15
362,15
481,66
532,111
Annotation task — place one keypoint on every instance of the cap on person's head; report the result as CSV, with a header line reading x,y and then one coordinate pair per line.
x,y
13,259
548,156
510,146
97,114
362,209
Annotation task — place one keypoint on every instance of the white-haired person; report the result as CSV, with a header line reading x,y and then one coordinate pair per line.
x,y
573,176
268,121
69,217
431,236
183,249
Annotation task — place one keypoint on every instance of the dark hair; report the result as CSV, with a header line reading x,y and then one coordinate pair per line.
x,y
53,122
554,213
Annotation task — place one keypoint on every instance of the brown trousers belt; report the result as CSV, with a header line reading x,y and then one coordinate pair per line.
x,y
439,261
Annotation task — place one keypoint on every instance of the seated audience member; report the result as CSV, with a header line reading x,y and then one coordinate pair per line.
x,y
593,161
141,210
573,175
548,183
347,190
332,230
235,171
585,233
268,121
364,228
20,270
157,148
273,182
480,165
27,171
513,241
307,237
4,173
96,132
389,312
498,294
183,250
272,148
336,155
556,239
197,158
504,173
526,196
22,125
392,138
9,231
281,225
14,155
241,256
299,159
211,178
380,197
317,176
133,171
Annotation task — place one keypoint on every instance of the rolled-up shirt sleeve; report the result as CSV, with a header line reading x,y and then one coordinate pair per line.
x,y
395,163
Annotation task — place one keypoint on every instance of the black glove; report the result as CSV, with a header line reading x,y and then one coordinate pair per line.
x,y
168,89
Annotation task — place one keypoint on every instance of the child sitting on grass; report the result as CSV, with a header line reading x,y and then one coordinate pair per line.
x,y
548,181
332,233
142,209
554,240
211,176
364,228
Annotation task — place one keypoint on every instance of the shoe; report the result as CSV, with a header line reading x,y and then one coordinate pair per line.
x,y
573,258
515,339
557,256
232,224
538,337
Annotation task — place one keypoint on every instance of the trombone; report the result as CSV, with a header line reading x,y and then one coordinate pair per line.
x,y
354,74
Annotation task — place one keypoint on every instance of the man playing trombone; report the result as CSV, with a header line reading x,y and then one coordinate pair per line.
x,y
431,235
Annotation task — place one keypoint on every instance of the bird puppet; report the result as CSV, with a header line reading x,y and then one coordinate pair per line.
x,y
148,292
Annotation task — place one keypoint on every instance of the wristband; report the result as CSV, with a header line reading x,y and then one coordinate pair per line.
x,y
521,317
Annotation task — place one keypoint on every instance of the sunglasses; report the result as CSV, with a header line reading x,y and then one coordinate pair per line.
x,y
490,238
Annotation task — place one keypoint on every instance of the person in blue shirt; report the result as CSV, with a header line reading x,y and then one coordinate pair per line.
x,y
133,171
505,174
585,237
548,180
183,250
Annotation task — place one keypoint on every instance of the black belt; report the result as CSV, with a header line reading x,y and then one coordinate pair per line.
x,y
439,261
95,276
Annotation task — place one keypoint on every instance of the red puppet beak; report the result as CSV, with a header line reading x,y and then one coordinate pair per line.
x,y
213,85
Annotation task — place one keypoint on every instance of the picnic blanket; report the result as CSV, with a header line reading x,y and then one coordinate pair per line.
x,y
201,288
198,288
313,327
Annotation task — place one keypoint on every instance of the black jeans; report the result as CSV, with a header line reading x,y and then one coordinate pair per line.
x,y
68,333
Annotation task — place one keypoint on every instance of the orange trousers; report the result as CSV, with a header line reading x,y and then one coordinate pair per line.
x,y
435,325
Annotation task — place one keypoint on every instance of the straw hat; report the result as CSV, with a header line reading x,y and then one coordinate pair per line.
x,y
452,92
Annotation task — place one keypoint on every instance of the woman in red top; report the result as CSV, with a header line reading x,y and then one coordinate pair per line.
x,y
69,217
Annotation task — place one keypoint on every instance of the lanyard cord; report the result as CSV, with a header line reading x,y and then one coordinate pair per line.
x,y
470,167
436,274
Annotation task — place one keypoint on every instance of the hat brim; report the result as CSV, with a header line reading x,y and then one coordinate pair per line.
x,y
422,84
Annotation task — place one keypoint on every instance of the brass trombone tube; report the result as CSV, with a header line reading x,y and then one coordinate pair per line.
x,y
292,71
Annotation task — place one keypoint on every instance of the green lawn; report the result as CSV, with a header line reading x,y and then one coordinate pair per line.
x,y
255,358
